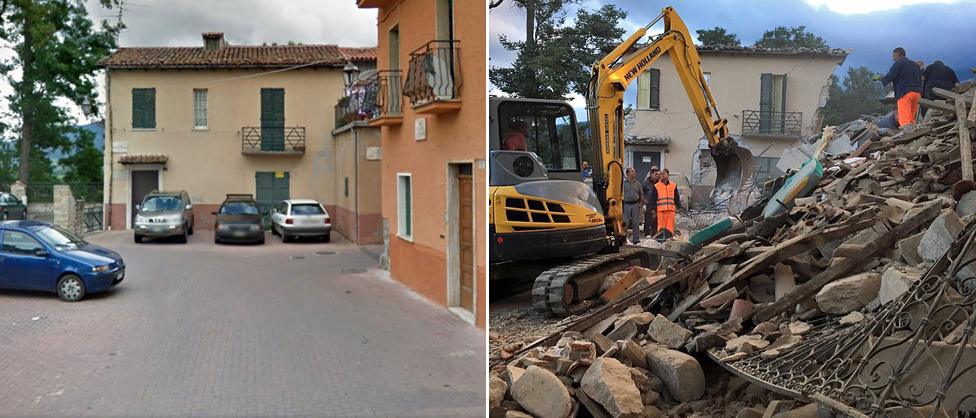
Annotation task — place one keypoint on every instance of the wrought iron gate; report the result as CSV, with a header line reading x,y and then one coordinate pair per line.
x,y
92,220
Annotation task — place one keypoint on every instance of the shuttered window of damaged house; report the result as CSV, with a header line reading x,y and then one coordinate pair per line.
x,y
649,89
144,108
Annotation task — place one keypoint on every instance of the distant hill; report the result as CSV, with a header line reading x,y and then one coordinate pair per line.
x,y
98,128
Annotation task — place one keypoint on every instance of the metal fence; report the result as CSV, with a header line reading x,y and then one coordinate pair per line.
x,y
92,218
273,140
43,192
765,122
435,73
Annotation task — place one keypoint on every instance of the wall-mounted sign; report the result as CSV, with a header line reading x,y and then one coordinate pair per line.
x,y
279,174
120,147
420,129
374,154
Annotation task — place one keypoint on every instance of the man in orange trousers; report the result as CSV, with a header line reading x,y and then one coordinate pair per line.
x,y
668,201
906,77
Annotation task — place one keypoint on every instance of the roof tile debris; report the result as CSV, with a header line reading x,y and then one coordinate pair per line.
x,y
647,140
751,50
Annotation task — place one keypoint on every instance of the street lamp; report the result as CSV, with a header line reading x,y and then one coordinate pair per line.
x,y
349,72
86,106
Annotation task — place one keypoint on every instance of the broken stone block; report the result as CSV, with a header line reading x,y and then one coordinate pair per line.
x,y
784,280
746,344
496,391
668,333
625,331
542,394
939,236
608,382
798,327
641,319
516,414
651,411
719,299
741,309
681,373
852,318
631,353
514,374
966,205
750,413
600,327
894,282
849,294
908,249
781,345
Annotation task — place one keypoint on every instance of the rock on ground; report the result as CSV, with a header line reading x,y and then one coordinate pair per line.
x,y
849,294
681,373
939,236
542,394
668,333
894,282
966,205
496,391
609,383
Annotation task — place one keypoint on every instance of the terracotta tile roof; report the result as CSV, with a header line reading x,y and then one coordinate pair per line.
x,y
143,159
647,140
752,50
359,54
236,56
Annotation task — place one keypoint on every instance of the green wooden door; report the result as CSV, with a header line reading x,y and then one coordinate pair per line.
x,y
272,188
272,119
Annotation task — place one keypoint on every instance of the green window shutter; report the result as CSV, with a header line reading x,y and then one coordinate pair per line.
x,y
765,102
144,108
655,88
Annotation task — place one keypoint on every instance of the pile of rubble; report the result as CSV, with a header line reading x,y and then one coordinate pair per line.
x,y
888,209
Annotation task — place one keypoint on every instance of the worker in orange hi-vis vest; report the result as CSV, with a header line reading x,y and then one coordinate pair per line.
x,y
668,201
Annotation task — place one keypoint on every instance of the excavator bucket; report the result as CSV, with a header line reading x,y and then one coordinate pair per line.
x,y
733,168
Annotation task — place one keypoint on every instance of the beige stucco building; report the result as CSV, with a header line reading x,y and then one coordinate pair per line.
x,y
432,101
220,118
771,98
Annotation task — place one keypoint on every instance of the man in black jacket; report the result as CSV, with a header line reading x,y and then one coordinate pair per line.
x,y
937,74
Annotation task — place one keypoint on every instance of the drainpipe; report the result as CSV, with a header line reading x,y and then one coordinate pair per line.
x,y
110,149
355,136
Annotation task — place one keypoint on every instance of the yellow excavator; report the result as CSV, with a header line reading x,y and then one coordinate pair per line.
x,y
544,220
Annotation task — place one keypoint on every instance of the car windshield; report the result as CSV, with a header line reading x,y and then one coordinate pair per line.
x,y
161,203
307,209
59,238
238,208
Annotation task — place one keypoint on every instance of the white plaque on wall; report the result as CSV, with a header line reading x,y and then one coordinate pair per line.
x,y
374,154
420,129
120,147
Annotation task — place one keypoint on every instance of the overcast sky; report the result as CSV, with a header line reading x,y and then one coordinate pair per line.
x,y
180,22
927,29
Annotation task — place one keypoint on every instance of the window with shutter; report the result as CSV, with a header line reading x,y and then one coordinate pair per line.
x,y
644,90
765,102
200,108
655,88
144,108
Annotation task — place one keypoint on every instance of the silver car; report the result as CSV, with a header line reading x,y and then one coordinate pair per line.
x,y
164,215
301,218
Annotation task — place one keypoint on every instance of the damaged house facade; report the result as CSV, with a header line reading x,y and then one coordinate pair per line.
x,y
431,109
771,98
221,118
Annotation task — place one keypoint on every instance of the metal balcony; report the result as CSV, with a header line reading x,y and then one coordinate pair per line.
x,y
389,99
433,82
773,124
271,140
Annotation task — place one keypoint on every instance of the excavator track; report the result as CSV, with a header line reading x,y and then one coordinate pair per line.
x,y
556,291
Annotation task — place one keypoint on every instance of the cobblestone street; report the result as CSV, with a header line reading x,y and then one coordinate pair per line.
x,y
199,329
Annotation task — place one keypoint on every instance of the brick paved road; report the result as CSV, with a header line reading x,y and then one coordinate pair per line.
x,y
240,330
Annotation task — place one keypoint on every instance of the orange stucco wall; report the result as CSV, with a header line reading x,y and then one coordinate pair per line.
x,y
457,136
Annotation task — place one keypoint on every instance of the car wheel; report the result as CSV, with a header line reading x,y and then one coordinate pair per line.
x,y
183,238
71,288
284,237
327,238
190,231
261,241
273,230
138,239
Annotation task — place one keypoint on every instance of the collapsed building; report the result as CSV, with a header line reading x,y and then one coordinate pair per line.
x,y
857,301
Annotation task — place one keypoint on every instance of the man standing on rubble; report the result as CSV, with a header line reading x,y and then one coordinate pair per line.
x,y
650,206
906,78
633,200
937,74
668,201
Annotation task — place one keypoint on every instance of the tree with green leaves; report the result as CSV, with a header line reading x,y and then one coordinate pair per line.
x,y
56,48
858,95
556,56
792,37
8,160
717,37
84,164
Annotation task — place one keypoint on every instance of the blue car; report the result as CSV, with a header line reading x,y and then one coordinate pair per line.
x,y
40,256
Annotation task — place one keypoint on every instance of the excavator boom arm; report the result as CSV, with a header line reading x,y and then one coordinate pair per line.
x,y
616,71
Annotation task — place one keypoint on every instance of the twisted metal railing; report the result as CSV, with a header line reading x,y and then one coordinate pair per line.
x,y
434,73
912,357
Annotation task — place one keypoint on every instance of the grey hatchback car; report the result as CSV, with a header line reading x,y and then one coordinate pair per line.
x,y
164,215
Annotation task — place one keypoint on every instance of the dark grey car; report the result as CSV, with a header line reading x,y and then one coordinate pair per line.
x,y
164,215
11,207
239,220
